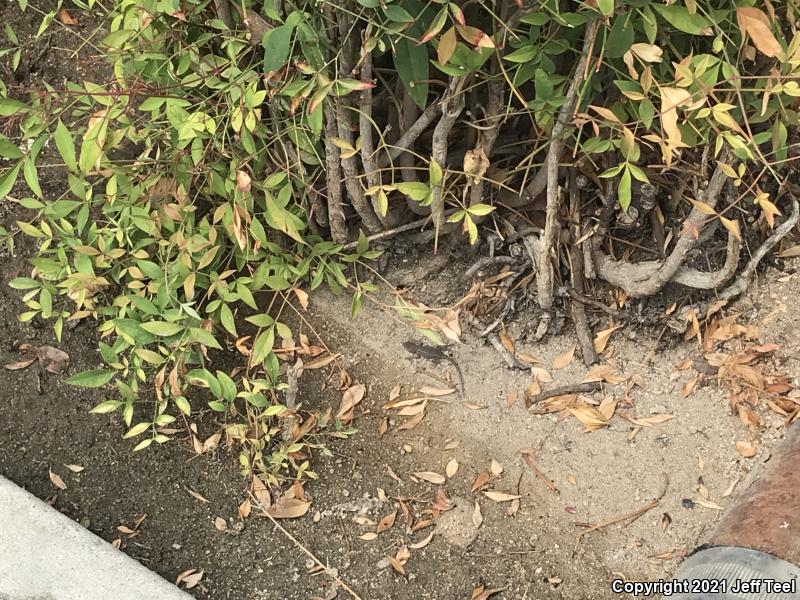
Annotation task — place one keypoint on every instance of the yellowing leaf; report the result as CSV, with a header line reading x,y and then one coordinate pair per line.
x,y
703,207
647,52
755,23
671,99
732,226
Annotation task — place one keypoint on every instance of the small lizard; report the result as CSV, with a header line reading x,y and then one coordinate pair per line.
x,y
435,355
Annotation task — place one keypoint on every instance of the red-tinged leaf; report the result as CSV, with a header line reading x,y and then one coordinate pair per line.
x,y
447,45
480,481
474,36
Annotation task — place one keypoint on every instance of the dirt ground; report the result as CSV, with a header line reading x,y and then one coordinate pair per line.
x,y
45,425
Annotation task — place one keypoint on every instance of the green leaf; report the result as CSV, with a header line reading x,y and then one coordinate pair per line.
x,y
226,318
148,355
606,7
8,179
260,320
162,328
93,378
277,45
228,386
206,379
66,146
205,338
8,149
92,145
398,14
680,18
411,62
624,190
263,346
416,190
183,405
32,177
621,36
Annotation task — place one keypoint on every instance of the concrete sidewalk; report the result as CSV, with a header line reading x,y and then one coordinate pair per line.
x,y
44,555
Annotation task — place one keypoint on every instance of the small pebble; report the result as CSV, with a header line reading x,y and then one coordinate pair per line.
x,y
687,503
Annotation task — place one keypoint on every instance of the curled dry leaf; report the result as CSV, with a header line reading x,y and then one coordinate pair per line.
x,y
189,579
245,508
477,516
665,521
500,496
562,360
746,449
66,18
431,477
451,469
57,481
212,442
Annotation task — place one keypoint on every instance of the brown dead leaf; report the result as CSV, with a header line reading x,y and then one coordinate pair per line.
x,y
383,426
562,360
57,481
432,391
746,449
755,23
589,417
495,468
480,481
601,339
321,362
288,508
245,508
20,364
500,496
511,398
505,340
477,516
451,469
513,508
481,593
369,536
220,524
665,521
196,495
351,397
543,375
260,492
688,387
422,543
212,442
386,522
412,422
302,297
189,579
75,468
430,477
702,489
66,18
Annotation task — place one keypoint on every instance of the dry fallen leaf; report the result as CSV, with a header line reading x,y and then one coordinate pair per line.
x,y
431,477
189,579
220,524
66,18
496,468
351,397
245,508
665,521
511,398
432,391
196,495
288,508
755,23
451,469
505,340
481,480
572,479
386,522
57,481
260,492
75,468
477,517
500,496
422,543
746,449
369,536
396,565
562,360
708,504
601,339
